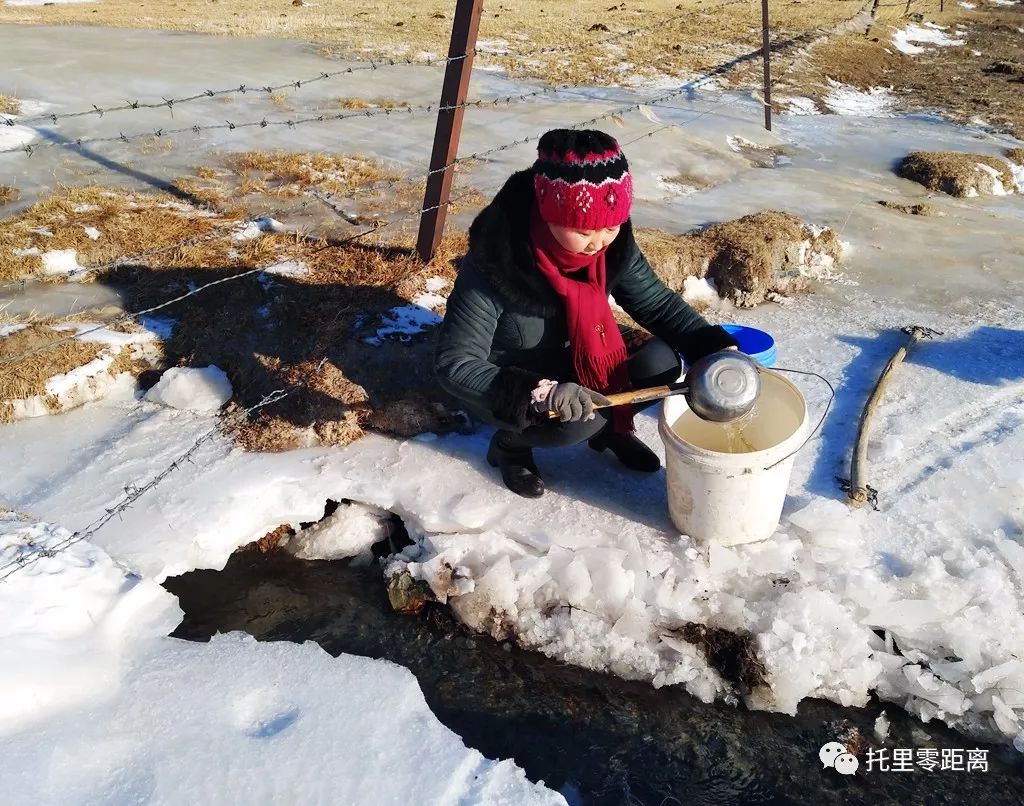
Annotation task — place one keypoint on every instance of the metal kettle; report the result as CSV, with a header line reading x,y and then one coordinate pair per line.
x,y
723,386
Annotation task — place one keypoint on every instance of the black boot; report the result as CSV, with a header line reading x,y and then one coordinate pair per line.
x,y
629,450
518,471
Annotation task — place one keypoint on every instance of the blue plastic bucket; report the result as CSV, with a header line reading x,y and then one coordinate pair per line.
x,y
756,343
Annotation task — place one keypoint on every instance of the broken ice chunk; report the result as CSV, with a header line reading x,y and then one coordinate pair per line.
x,y
822,513
882,727
927,686
1013,553
1005,718
915,612
531,574
612,583
498,585
723,560
634,622
988,678
475,510
574,581
350,530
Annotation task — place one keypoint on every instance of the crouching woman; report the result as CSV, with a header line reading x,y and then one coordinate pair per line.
x,y
529,329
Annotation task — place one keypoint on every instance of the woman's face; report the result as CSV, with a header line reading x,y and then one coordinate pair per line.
x,y
583,241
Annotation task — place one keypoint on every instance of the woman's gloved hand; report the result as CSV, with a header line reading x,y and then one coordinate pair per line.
x,y
570,401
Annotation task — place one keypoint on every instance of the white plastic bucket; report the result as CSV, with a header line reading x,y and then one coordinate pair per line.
x,y
731,498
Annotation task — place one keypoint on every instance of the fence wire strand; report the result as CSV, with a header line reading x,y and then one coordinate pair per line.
x,y
133,493
170,103
291,123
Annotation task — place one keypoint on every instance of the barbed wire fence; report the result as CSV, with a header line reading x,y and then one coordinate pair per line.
x,y
290,123
132,492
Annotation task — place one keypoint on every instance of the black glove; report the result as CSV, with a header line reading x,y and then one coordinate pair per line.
x,y
571,402
704,341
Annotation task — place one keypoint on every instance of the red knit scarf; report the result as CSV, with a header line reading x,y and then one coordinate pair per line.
x,y
598,351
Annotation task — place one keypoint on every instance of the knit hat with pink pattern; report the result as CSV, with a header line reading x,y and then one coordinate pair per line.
x,y
582,180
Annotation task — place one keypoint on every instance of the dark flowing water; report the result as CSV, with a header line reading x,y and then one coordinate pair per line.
x,y
595,738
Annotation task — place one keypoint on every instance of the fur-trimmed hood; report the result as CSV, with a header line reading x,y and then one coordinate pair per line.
x,y
499,248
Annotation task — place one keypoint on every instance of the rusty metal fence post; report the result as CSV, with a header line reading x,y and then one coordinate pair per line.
x,y
449,126
767,51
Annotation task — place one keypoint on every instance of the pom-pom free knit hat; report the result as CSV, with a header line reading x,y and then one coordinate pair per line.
x,y
581,179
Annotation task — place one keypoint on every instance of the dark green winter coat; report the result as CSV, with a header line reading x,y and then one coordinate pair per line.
x,y
505,329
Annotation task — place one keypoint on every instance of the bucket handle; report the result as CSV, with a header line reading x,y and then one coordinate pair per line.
x,y
828,406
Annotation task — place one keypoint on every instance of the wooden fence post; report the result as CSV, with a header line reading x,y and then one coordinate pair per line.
x,y
767,51
449,126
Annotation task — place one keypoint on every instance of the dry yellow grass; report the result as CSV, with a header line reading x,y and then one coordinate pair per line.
x,y
8,195
27,377
128,223
954,172
277,175
679,36
9,105
325,312
157,145
303,170
388,388
206,192
377,103
280,100
747,258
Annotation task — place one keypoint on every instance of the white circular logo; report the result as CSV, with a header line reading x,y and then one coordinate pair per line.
x,y
836,756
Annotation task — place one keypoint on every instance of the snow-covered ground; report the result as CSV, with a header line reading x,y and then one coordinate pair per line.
x,y
593,573
913,39
940,568
877,102
100,706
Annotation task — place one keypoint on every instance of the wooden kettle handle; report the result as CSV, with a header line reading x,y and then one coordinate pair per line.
x,y
636,396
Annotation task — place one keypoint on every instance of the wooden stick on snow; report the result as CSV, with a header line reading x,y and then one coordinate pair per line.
x,y
859,491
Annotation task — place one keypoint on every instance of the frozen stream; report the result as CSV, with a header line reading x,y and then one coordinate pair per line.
x,y
598,740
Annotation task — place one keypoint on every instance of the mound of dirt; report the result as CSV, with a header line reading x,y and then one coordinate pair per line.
x,y
957,173
748,260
